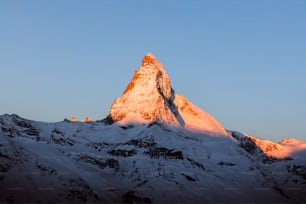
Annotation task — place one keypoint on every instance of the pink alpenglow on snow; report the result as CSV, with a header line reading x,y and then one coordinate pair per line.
x,y
73,119
149,97
88,119
285,148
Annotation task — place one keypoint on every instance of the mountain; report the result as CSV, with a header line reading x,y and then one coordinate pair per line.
x,y
153,147
149,97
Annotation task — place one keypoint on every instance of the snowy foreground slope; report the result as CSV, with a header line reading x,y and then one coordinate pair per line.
x,y
154,147
142,163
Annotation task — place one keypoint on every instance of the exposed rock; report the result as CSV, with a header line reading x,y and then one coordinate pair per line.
x,y
134,197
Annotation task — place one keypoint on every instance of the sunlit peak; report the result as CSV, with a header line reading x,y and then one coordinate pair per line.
x,y
149,59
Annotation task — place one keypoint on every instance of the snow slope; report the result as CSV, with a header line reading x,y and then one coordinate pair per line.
x,y
140,163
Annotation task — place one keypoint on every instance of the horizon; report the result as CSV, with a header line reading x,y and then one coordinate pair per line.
x,y
241,62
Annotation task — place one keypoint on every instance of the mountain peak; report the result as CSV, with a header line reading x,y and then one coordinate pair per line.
x,y
149,97
149,59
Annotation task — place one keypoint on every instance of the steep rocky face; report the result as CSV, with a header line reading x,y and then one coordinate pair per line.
x,y
150,97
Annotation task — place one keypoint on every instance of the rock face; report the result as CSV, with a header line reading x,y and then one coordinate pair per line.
x,y
149,97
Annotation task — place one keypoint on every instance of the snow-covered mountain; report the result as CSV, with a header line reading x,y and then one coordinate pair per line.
x,y
149,97
154,147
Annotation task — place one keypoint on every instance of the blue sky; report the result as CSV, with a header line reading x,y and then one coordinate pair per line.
x,y
242,61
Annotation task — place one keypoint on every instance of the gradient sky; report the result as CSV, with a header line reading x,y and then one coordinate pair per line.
x,y
242,61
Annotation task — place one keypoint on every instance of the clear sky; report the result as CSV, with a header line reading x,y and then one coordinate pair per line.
x,y
242,61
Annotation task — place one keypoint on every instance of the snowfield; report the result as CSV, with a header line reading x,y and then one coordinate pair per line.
x,y
140,163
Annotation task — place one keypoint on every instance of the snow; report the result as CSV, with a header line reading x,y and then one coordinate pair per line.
x,y
284,149
162,162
